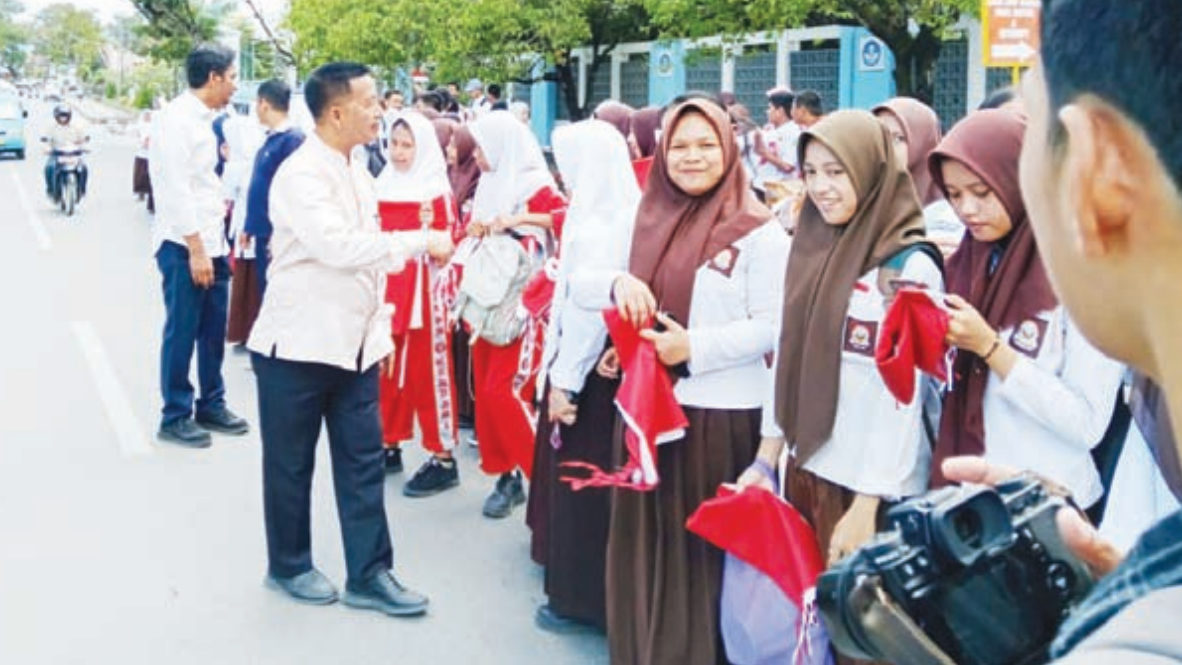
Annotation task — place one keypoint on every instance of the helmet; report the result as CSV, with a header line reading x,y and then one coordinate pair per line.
x,y
62,111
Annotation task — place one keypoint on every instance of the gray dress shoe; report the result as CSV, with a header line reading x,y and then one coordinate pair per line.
x,y
384,593
184,432
311,587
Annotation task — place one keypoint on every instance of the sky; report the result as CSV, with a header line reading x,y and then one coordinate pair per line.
x,y
108,9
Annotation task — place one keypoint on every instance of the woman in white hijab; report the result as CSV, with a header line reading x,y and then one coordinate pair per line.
x,y
570,528
413,192
517,197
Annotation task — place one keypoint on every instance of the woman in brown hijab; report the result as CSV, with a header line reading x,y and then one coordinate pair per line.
x,y
642,138
860,234
1028,390
464,174
915,130
709,257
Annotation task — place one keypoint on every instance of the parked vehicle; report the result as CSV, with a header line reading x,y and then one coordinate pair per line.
x,y
12,126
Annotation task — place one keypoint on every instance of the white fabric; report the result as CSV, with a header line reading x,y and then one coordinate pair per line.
x,y
244,137
519,168
877,447
427,178
942,222
143,135
594,162
1139,496
782,141
181,160
1051,410
326,283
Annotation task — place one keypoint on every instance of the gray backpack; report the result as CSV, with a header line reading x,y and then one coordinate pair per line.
x,y
489,297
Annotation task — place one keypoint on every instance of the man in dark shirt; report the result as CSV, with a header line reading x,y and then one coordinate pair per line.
x,y
274,101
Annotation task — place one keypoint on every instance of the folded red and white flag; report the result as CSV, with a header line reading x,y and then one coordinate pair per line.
x,y
913,337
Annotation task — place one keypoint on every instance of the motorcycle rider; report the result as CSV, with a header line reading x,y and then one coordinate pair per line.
x,y
63,133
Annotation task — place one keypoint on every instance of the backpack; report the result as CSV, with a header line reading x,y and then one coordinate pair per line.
x,y
490,291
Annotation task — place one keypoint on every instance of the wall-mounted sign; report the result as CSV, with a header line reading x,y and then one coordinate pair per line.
x,y
1010,28
662,59
871,54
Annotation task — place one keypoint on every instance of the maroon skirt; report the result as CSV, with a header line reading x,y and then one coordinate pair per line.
x,y
245,301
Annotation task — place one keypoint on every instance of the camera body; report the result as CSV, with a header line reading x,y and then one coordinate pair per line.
x,y
972,575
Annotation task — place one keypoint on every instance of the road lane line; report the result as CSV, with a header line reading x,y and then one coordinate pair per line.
x,y
31,215
131,437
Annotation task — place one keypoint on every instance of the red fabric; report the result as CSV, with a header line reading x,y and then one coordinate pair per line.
x,y
912,337
766,532
504,408
408,216
422,385
641,168
647,405
548,201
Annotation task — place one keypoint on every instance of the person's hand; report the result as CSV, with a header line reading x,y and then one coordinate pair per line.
x,y
967,329
477,229
503,223
244,241
673,345
440,246
854,529
562,410
609,364
201,268
1099,555
634,300
757,475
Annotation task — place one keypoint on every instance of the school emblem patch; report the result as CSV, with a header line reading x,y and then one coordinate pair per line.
x,y
860,337
1028,337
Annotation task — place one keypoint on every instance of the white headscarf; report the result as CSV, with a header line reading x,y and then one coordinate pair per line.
x,y
519,169
596,168
427,178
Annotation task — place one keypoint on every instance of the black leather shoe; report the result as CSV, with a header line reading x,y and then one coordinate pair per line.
x,y
549,620
311,587
223,421
393,460
435,476
505,496
384,593
184,432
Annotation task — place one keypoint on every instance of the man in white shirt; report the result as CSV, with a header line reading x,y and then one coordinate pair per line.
x,y
317,344
479,104
190,247
776,147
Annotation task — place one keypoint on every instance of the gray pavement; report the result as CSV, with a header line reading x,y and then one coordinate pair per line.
x,y
117,549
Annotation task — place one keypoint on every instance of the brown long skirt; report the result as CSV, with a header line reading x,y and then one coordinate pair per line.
x,y
570,528
245,301
141,181
663,582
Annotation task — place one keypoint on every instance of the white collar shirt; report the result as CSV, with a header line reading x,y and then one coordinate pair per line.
x,y
182,155
326,281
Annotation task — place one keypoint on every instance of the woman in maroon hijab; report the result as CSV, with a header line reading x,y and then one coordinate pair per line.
x,y
642,138
1028,390
711,259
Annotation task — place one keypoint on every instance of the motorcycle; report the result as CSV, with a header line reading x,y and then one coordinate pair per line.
x,y
67,187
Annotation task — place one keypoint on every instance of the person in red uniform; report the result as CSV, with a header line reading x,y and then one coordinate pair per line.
x,y
413,192
517,196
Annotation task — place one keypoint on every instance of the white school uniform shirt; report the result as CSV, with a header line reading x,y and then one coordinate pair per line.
x,y
182,154
878,446
1054,406
326,283
782,141
1139,496
244,137
734,319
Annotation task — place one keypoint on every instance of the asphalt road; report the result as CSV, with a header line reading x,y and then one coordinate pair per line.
x,y
117,549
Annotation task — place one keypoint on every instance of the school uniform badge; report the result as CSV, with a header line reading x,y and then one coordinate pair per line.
x,y
1028,337
724,261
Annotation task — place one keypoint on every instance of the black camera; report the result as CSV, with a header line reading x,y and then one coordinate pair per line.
x,y
969,575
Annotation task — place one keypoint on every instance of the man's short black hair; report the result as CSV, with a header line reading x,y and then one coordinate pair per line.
x,y
781,99
431,99
276,93
1125,53
205,60
998,98
391,92
494,90
329,83
810,100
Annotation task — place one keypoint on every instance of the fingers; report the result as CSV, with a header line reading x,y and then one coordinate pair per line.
x,y
976,470
955,301
669,322
1085,542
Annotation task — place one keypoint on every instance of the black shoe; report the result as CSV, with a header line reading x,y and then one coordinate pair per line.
x,y
465,422
393,460
223,421
384,593
311,587
505,496
435,476
551,621
184,432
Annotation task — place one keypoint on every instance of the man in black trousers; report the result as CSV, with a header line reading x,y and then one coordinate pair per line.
x,y
316,347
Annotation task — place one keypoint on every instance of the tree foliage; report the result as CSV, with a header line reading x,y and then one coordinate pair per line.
x,y
13,36
175,27
67,36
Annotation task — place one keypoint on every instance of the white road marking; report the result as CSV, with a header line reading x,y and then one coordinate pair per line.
x,y
31,216
132,441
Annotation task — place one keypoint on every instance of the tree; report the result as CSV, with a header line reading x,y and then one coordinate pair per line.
x,y
174,27
14,37
70,37
893,21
